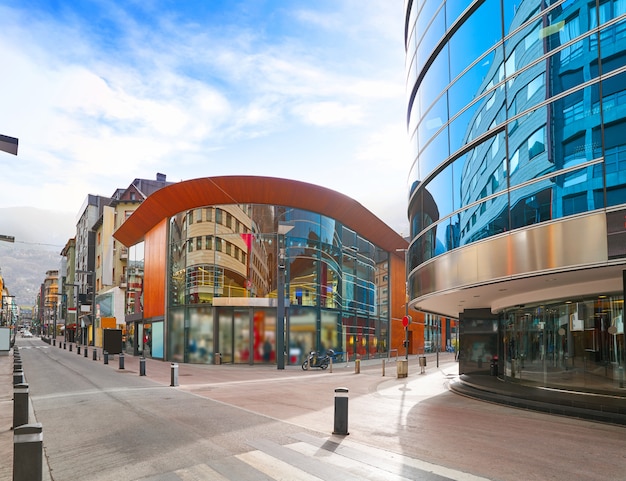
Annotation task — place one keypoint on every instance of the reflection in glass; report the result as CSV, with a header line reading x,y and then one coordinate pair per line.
x,y
224,262
565,345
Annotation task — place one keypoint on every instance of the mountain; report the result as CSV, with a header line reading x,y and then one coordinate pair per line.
x,y
40,235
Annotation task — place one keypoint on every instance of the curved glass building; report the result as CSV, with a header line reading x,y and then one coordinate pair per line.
x,y
517,122
210,257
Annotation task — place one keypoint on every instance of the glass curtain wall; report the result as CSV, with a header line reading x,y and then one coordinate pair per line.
x,y
516,118
577,345
223,272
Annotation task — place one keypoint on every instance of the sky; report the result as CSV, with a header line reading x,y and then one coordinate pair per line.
x,y
101,92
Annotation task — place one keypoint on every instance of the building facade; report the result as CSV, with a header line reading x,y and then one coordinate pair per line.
x,y
517,122
208,259
94,266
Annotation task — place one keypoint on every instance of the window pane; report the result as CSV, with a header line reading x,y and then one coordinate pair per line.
x,y
483,220
476,36
439,192
531,204
434,154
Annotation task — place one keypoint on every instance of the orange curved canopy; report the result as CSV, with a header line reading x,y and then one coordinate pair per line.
x,y
190,194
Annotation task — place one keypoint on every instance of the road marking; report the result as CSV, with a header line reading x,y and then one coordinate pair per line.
x,y
274,468
199,472
389,461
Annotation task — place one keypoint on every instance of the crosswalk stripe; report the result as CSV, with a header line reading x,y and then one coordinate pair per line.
x,y
308,464
387,460
275,468
199,472
354,467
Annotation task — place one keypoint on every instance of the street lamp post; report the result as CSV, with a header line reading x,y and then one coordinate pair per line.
x,y
407,318
283,229
93,305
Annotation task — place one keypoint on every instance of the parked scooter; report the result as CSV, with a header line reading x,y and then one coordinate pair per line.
x,y
316,360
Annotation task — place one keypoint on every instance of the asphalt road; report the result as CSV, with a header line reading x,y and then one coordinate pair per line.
x,y
244,422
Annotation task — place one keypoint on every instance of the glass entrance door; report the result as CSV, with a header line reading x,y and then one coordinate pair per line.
x,y
241,335
234,335
225,337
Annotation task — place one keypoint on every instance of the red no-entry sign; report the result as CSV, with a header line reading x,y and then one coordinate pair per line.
x,y
406,320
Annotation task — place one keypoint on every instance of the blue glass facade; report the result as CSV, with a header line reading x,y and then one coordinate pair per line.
x,y
517,122
224,263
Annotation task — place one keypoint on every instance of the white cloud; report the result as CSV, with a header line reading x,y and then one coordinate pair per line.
x,y
192,100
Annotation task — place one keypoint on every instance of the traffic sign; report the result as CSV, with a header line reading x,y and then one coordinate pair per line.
x,y
406,320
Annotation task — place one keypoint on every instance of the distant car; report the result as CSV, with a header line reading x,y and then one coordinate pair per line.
x,y
27,334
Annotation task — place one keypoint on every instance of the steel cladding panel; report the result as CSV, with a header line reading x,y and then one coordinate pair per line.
x,y
571,243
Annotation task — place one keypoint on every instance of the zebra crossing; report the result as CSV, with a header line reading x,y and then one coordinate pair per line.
x,y
311,458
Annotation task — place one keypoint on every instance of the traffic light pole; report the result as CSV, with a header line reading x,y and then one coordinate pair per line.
x,y
406,341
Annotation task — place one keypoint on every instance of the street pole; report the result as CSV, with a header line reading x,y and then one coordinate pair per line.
x,y
438,338
280,293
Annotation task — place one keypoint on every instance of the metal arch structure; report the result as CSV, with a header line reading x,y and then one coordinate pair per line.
x,y
190,194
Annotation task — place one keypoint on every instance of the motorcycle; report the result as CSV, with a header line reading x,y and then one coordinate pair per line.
x,y
316,360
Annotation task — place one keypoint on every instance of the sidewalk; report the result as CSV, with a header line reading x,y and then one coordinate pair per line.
x,y
6,416
382,408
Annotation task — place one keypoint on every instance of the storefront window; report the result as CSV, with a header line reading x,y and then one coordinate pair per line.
x,y
577,345
232,274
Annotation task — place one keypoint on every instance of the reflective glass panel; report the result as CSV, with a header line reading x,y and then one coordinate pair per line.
x,y
433,120
454,9
471,84
476,36
434,82
484,220
615,162
430,38
531,204
434,154
439,189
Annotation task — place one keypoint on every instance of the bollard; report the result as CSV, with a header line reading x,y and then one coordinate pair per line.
x,y
121,360
27,452
383,368
95,354
54,342
422,361
106,357
357,366
18,377
60,345
402,367
20,404
64,345
142,366
341,411
78,349
174,373
70,347
87,352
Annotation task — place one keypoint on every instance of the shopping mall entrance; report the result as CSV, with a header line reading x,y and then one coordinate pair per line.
x,y
245,335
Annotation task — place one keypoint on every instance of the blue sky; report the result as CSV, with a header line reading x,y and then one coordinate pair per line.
x,y
101,92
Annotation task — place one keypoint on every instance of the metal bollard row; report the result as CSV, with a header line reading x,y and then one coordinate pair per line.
x,y
341,411
20,404
28,452
174,374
